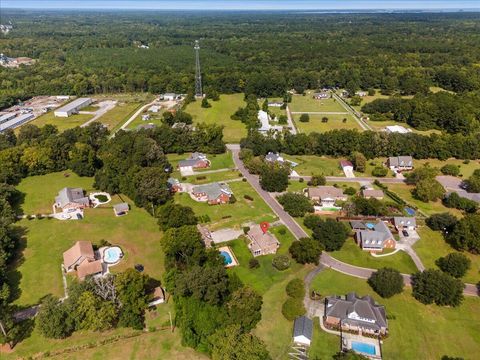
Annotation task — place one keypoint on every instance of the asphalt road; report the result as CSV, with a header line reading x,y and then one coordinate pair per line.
x,y
326,260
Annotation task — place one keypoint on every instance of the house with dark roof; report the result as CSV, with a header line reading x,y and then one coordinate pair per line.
x,y
213,193
121,209
354,313
404,223
71,199
372,193
400,163
373,237
195,161
302,331
262,243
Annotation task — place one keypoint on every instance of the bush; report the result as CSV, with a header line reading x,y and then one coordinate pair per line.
x,y
443,221
379,171
232,199
246,229
350,191
455,264
201,177
295,289
453,200
281,262
293,308
306,251
386,282
450,169
434,286
282,231
317,180
248,197
295,204
253,264
301,180
304,118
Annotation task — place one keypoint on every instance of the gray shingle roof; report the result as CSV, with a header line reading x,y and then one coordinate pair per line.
x,y
71,195
404,221
376,237
400,161
303,326
213,190
122,207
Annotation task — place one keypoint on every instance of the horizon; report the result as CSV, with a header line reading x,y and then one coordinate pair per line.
x,y
245,5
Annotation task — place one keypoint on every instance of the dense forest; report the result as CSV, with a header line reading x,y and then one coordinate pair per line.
x,y
261,53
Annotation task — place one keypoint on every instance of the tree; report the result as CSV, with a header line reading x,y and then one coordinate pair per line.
x,y
293,308
244,308
175,216
324,119
428,190
306,251
92,313
312,221
359,161
450,169
434,286
205,103
281,262
231,343
443,221
52,319
379,171
274,178
283,119
369,207
295,204
265,105
150,185
183,247
295,289
131,290
455,264
472,184
466,234
356,100
425,172
331,234
453,200
83,160
304,118
317,180
386,282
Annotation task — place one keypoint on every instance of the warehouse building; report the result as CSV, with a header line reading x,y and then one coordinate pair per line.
x,y
5,117
73,107
16,122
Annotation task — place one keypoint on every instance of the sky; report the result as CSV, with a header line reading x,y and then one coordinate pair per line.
x,y
244,4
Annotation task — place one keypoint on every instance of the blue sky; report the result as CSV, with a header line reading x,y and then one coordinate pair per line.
x,y
242,5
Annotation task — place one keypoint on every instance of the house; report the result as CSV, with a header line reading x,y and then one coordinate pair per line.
x,y
400,163
195,161
265,126
81,258
302,331
262,243
321,95
174,185
397,129
276,104
352,313
72,107
277,158
213,193
373,237
121,209
145,117
372,193
404,223
158,296
71,199
169,97
361,93
347,168
154,108
326,195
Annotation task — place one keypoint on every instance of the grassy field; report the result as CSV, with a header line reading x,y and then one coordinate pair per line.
x,y
351,253
61,123
405,192
417,331
307,103
315,165
432,246
219,114
465,169
155,118
46,240
335,122
119,114
232,215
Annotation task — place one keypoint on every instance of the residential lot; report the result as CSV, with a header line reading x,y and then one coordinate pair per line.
x,y
335,122
314,165
416,331
219,114
306,103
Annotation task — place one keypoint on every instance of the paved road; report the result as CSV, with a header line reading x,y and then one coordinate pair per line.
x,y
356,179
290,121
298,232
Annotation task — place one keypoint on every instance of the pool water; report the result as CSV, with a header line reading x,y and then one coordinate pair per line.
x,y
363,348
370,225
112,255
227,259
410,211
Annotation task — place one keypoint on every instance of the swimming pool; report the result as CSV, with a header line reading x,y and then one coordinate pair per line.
x,y
112,255
410,211
370,225
227,259
363,348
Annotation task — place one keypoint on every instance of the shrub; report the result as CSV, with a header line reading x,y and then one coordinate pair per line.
x,y
386,282
450,169
453,200
246,229
293,308
244,180
443,221
295,289
253,264
202,177
281,262
350,191
282,231
304,118
455,264
301,180
247,197
232,199
379,171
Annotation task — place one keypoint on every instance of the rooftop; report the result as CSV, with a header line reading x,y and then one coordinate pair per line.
x,y
261,240
212,190
325,192
303,326
74,104
80,249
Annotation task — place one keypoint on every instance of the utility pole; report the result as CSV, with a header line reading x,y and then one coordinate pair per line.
x,y
198,73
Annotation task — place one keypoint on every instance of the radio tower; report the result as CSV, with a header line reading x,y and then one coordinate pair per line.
x,y
198,74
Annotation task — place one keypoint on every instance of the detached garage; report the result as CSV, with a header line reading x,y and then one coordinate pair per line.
x,y
303,331
73,107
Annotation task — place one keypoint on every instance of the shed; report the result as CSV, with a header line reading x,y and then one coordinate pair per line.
x,y
121,209
302,331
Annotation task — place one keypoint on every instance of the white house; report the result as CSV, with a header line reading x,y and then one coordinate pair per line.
x,y
404,223
264,119
154,108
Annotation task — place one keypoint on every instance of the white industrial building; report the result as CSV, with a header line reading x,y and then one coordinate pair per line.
x,y
5,117
169,96
397,129
16,122
73,107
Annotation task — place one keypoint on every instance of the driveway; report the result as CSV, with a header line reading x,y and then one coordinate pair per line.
x,y
104,107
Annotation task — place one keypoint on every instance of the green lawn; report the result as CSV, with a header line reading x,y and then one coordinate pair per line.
x,y
231,215
307,103
219,114
335,122
351,253
46,240
465,169
119,114
155,118
417,331
60,122
315,165
371,164
432,246
218,161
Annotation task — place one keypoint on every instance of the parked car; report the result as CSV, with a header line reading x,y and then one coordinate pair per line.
x,y
405,232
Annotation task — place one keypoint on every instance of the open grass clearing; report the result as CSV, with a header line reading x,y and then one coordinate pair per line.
x,y
432,246
114,118
306,103
316,165
61,123
231,215
219,114
335,122
417,331
465,169
351,253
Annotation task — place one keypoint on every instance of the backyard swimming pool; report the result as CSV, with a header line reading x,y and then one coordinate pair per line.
x,y
227,259
410,211
112,255
370,226
363,348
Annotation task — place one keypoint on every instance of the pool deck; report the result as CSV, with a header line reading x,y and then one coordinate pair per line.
x,y
347,340
232,255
